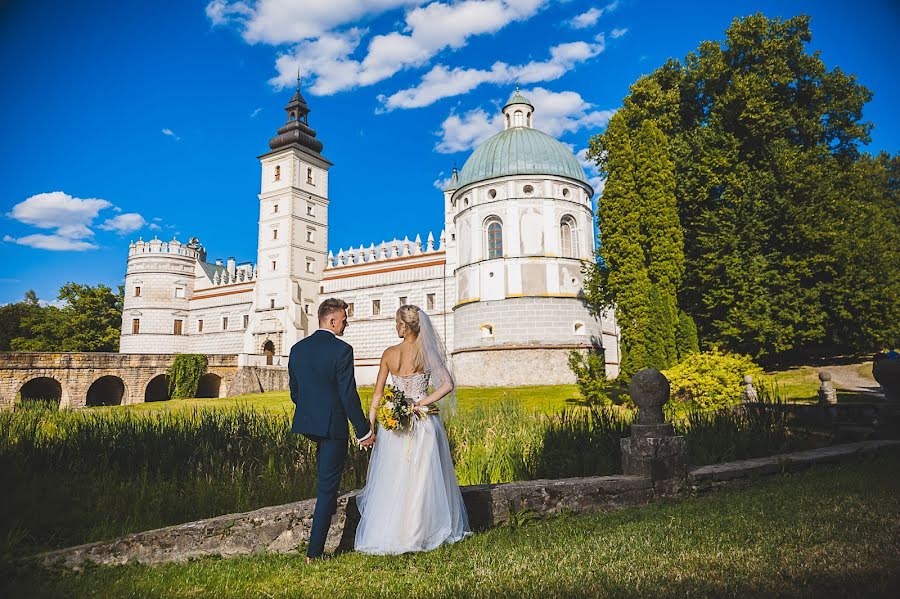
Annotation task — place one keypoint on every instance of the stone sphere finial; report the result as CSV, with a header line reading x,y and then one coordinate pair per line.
x,y
748,379
824,375
649,390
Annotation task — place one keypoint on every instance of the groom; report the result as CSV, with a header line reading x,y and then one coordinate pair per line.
x,y
323,389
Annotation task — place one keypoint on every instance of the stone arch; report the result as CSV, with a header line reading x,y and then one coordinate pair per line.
x,y
210,385
157,388
108,390
41,389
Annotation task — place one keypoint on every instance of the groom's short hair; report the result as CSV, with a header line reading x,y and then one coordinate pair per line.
x,y
330,306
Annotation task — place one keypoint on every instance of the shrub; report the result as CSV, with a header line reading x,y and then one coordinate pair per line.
x,y
184,375
590,375
709,380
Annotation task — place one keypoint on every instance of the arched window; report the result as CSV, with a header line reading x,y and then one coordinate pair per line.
x,y
309,178
292,116
494,233
529,119
278,173
518,119
568,244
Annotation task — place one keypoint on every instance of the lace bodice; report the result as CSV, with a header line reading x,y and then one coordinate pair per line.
x,y
414,386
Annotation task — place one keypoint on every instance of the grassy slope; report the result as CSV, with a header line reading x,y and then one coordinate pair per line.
x,y
830,532
549,399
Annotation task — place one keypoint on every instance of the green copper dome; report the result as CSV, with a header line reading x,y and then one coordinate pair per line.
x,y
520,151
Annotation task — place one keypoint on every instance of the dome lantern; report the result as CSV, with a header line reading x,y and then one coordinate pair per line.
x,y
518,111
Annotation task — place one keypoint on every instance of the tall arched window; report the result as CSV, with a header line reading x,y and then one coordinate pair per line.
x,y
568,242
494,233
518,119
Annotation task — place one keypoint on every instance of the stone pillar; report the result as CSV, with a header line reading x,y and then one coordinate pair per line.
x,y
827,394
653,451
749,392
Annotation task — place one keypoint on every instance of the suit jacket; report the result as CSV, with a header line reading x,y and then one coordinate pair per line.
x,y
323,388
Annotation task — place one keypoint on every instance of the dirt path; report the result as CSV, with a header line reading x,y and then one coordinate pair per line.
x,y
853,377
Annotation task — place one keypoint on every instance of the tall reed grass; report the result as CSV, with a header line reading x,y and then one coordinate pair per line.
x,y
69,477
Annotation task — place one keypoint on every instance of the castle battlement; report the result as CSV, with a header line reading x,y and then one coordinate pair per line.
x,y
386,250
192,249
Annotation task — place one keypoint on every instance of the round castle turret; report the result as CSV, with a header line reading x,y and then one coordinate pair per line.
x,y
523,217
159,282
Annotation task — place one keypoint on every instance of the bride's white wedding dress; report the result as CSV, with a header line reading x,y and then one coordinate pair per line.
x,y
411,501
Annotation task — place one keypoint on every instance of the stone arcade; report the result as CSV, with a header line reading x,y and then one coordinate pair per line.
x,y
502,282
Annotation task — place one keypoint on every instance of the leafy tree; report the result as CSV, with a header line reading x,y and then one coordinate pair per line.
x,y
621,278
789,233
90,320
12,317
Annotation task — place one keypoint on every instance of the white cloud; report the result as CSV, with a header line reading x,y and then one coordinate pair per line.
x,y
326,43
155,227
169,133
442,182
58,210
590,17
55,242
71,218
555,113
617,33
586,19
157,219
124,223
459,133
594,178
441,82
255,112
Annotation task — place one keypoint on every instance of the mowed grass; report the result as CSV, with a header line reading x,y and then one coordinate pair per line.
x,y
802,383
548,399
824,533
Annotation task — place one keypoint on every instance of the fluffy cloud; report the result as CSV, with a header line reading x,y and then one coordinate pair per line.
x,y
53,242
125,223
70,217
590,17
326,43
617,33
441,82
594,178
555,113
169,133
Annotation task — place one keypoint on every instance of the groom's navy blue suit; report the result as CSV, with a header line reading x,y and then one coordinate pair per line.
x,y
323,389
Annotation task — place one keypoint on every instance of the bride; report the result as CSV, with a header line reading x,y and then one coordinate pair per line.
x,y
411,501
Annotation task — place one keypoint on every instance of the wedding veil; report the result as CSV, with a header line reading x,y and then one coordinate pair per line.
x,y
437,363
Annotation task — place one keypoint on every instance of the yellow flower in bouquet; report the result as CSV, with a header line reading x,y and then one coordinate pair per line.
x,y
395,411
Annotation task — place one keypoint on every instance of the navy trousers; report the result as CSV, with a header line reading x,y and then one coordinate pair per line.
x,y
330,457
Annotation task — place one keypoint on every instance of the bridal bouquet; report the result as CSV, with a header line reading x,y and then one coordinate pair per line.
x,y
396,411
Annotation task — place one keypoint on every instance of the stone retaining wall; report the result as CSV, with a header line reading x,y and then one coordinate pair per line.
x,y
283,528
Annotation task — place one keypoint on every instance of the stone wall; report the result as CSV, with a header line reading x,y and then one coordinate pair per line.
x,y
285,528
76,372
513,367
258,379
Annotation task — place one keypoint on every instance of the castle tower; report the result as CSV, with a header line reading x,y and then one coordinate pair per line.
x,y
159,284
522,215
293,235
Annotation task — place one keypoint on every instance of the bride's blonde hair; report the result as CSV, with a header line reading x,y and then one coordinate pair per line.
x,y
408,315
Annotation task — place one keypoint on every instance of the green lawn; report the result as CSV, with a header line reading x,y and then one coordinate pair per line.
x,y
548,399
802,383
830,532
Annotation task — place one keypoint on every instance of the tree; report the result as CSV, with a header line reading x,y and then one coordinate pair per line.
x,y
621,278
90,320
765,140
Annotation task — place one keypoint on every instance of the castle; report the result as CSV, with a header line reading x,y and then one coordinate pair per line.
x,y
502,283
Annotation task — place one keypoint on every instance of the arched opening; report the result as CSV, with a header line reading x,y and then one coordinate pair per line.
x,y
106,391
269,350
158,388
209,385
41,391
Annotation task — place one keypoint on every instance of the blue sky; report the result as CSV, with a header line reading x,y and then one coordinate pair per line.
x,y
126,119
